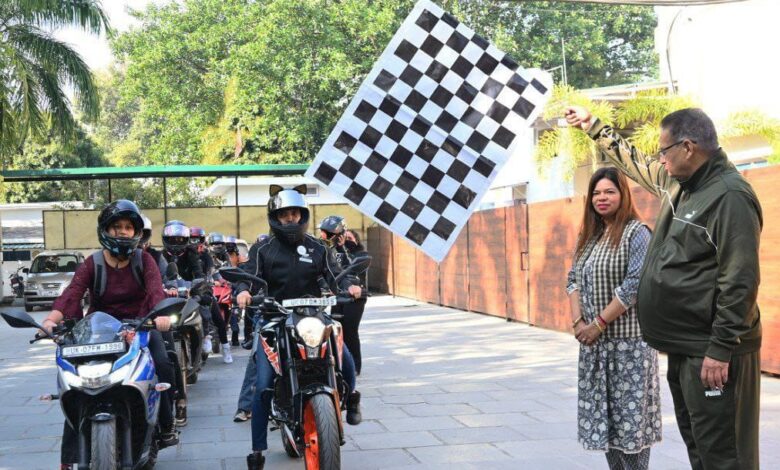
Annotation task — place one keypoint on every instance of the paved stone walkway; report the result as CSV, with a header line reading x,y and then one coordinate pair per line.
x,y
442,388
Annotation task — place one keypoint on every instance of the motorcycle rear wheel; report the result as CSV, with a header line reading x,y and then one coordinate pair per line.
x,y
103,445
321,434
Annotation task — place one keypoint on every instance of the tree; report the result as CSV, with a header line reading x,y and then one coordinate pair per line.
x,y
52,152
36,70
265,81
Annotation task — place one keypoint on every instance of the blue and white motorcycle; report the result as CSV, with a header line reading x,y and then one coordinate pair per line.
x,y
108,388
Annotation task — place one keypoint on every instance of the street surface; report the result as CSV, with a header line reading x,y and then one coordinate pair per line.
x,y
442,389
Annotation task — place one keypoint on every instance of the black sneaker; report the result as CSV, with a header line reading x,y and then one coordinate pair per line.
x,y
354,416
247,344
169,438
181,416
255,461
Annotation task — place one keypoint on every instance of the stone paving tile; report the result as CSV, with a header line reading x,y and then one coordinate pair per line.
x,y
497,419
439,410
376,459
395,440
477,435
456,454
428,423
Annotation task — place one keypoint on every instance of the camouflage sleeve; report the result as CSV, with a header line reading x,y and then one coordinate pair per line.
x,y
645,171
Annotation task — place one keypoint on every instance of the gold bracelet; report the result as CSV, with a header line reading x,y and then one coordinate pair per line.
x,y
579,319
598,325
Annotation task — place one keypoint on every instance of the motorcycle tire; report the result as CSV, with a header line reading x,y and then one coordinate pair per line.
x,y
289,447
192,378
321,434
103,446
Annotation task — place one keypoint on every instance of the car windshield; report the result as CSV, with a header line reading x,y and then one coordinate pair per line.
x,y
54,264
97,327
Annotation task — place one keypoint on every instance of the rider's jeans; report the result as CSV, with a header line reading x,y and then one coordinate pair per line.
x,y
261,403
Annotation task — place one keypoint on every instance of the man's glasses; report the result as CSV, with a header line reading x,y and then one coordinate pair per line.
x,y
662,152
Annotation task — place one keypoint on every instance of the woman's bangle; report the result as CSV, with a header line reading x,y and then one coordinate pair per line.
x,y
601,321
598,325
579,319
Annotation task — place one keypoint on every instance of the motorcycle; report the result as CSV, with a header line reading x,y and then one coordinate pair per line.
x,y
17,282
304,346
107,385
188,330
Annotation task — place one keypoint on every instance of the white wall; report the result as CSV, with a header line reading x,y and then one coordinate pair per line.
x,y
724,55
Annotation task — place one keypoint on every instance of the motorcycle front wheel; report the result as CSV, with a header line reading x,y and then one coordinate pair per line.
x,y
321,434
104,449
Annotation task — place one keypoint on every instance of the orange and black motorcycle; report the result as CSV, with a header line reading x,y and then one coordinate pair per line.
x,y
305,348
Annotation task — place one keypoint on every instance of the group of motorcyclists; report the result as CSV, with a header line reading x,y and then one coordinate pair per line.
x,y
128,277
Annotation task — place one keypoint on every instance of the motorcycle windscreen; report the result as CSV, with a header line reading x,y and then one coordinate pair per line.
x,y
95,334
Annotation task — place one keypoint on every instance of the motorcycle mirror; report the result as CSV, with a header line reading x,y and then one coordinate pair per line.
x,y
165,307
19,319
238,274
358,265
26,270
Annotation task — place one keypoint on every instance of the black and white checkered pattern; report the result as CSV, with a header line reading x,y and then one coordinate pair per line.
x,y
429,129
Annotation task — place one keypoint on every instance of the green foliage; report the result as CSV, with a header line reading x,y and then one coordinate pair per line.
x,y
36,70
246,81
52,152
572,144
641,117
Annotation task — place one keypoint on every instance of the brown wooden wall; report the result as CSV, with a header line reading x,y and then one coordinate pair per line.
x,y
512,262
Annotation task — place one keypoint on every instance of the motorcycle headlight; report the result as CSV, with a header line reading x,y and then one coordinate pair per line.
x,y
311,331
95,375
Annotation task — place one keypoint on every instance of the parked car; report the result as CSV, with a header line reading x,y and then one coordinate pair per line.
x,y
49,274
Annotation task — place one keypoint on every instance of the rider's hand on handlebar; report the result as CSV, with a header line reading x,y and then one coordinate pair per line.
x,y
244,299
162,323
172,292
355,291
48,327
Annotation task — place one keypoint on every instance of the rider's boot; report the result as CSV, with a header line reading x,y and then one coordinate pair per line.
x,y
169,437
354,416
255,461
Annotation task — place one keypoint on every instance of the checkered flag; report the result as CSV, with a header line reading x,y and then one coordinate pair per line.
x,y
429,129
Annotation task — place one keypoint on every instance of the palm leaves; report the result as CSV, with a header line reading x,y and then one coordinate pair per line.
x,y
36,69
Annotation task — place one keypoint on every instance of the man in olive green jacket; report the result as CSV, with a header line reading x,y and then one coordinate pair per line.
x,y
698,288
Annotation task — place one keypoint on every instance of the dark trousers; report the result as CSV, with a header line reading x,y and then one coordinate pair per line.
x,y
353,313
219,322
69,452
719,432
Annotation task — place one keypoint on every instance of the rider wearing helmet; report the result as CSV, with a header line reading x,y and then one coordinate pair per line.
x,y
176,241
146,245
217,248
292,262
119,230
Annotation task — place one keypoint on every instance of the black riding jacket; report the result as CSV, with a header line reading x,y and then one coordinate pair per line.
x,y
188,263
292,271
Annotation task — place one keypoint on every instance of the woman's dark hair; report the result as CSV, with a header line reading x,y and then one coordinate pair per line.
x,y
356,235
593,224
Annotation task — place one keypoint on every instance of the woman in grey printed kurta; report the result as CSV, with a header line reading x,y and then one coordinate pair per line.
x,y
619,402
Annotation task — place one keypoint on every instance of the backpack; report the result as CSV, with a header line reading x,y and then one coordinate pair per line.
x,y
99,279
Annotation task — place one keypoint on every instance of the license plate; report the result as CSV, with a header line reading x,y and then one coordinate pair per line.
x,y
93,349
51,293
310,302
